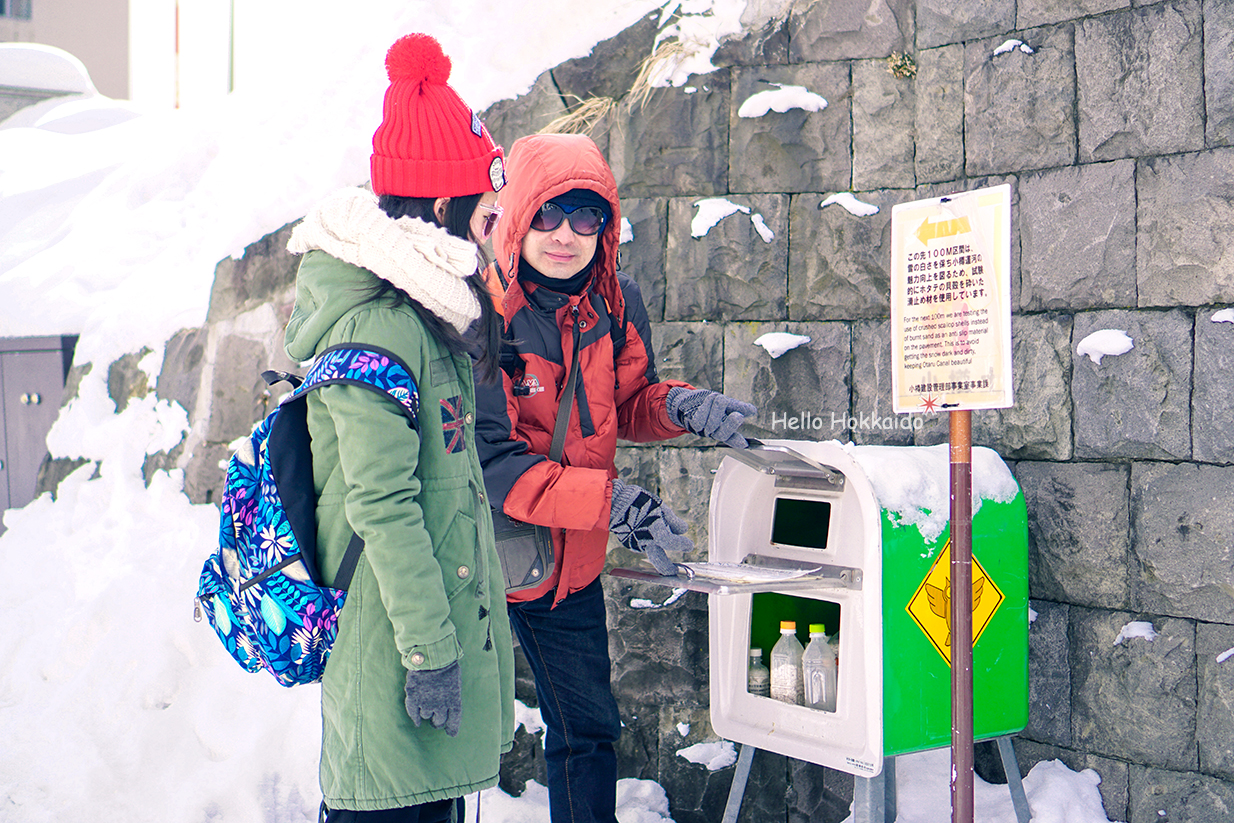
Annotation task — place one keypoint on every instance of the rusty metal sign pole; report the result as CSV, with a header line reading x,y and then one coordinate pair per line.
x,y
961,617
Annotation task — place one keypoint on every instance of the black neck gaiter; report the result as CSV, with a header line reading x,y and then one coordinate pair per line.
x,y
573,285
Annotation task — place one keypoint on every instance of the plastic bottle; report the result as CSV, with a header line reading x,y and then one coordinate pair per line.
x,y
786,665
818,671
758,678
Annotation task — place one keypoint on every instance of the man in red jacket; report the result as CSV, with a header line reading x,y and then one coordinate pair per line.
x,y
563,299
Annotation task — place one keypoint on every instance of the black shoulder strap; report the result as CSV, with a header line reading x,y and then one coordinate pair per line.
x,y
617,331
617,325
351,558
567,399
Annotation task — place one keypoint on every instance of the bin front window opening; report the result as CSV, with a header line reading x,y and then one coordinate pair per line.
x,y
801,523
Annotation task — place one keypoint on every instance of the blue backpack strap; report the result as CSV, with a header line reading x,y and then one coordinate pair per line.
x,y
370,367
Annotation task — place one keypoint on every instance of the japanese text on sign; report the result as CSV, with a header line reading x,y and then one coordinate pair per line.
x,y
950,302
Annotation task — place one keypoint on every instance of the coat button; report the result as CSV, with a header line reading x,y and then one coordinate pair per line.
x,y
468,418
463,572
417,659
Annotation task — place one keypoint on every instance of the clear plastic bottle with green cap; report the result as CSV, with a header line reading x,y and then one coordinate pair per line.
x,y
758,677
818,671
786,665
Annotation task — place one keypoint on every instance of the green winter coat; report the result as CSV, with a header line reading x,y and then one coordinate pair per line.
x,y
428,589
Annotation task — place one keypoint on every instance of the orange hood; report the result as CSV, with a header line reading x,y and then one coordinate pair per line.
x,y
540,167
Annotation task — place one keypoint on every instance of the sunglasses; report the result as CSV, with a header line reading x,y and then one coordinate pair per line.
x,y
584,220
490,219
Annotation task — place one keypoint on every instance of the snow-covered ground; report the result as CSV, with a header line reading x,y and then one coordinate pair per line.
x,y
114,704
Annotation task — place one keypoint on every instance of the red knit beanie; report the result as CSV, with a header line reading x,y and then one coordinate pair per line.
x,y
430,143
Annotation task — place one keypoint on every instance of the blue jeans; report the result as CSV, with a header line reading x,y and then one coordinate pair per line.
x,y
567,649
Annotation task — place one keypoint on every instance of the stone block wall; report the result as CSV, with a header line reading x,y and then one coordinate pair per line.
x,y
1115,128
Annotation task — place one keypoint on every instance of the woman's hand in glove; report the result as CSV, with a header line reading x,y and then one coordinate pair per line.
x,y
436,695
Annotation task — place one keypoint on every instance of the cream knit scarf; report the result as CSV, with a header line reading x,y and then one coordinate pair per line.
x,y
423,260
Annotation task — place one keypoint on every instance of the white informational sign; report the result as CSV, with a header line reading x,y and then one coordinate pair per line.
x,y
951,302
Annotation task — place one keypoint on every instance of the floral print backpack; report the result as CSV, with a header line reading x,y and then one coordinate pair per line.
x,y
260,589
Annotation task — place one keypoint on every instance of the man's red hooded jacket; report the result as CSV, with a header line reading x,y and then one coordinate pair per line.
x,y
617,397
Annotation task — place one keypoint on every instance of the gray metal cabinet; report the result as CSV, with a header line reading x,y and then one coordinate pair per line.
x,y
32,374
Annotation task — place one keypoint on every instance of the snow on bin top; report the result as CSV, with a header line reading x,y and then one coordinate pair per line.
x,y
914,482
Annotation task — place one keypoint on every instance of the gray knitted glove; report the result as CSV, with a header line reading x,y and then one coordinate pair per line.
x,y
436,695
644,524
709,414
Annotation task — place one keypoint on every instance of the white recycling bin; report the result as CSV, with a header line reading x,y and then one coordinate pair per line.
x,y
797,532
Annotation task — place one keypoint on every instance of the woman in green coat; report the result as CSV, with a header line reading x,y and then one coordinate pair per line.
x,y
424,634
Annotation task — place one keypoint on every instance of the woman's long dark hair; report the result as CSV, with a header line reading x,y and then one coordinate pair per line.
x,y
483,341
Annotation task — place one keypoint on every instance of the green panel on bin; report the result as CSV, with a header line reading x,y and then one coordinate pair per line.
x,y
916,677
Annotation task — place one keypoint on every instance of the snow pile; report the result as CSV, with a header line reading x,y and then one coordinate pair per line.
x,y
711,210
715,755
644,603
1055,793
1104,342
850,203
35,66
528,718
638,801
1011,45
778,342
111,693
914,482
781,99
1136,628
694,37
761,227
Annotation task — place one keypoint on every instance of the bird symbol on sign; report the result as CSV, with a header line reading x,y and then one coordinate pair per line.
x,y
940,601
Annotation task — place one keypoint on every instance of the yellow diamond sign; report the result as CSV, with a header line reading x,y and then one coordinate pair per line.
x,y
930,606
